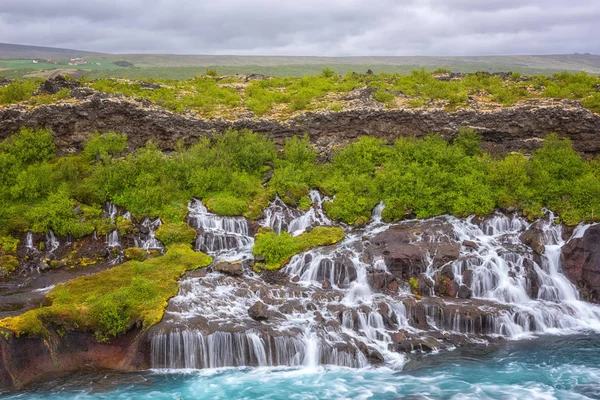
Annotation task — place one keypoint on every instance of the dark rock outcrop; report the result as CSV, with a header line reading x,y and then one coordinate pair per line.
x,y
259,311
229,268
581,262
25,359
503,129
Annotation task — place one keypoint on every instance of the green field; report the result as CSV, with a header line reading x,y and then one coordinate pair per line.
x,y
159,66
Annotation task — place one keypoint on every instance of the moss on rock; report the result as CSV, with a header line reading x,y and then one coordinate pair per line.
x,y
8,264
135,253
178,232
110,302
278,249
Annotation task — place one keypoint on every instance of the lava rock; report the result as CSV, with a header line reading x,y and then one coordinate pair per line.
x,y
228,268
259,311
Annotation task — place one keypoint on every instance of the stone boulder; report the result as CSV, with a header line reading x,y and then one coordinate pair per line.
x,y
581,262
259,311
228,268
534,238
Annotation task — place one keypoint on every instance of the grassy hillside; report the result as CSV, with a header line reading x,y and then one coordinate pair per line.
x,y
16,61
20,51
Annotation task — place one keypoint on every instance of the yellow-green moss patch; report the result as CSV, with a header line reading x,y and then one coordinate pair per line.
x,y
135,253
278,249
110,302
178,232
7,265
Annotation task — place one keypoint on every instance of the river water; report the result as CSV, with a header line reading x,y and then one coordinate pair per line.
x,y
549,367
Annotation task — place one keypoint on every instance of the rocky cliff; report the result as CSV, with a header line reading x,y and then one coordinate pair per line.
x,y
504,129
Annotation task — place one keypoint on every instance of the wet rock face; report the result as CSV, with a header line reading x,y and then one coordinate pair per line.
x,y
534,238
229,268
259,311
581,262
503,129
406,247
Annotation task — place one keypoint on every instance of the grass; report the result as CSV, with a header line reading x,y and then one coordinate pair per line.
x,y
216,96
278,249
111,302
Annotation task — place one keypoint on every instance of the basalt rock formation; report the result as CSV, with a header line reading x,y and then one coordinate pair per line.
x,y
581,263
504,129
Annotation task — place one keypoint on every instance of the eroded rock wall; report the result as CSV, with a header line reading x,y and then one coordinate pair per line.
x,y
504,129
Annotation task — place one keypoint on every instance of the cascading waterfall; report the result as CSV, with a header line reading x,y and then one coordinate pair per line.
x,y
149,241
334,315
29,241
52,242
280,217
220,236
112,239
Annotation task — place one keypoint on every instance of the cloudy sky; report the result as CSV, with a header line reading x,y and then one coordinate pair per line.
x,y
306,27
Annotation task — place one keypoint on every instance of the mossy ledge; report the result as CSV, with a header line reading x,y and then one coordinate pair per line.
x,y
277,250
111,302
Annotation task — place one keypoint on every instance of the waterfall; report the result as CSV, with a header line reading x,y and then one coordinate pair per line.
x,y
339,307
52,242
111,211
112,239
280,217
29,240
376,215
149,241
220,236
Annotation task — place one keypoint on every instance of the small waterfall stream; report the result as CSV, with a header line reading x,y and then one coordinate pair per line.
x,y
344,307
225,237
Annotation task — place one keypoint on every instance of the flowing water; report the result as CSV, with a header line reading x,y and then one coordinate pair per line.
x,y
553,367
345,327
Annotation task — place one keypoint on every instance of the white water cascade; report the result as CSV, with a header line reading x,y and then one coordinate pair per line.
x,y
347,304
52,242
149,241
225,237
280,217
112,239
29,241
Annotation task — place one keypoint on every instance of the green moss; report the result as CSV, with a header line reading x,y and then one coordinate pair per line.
x,y
110,302
9,244
278,249
176,233
135,254
125,226
8,264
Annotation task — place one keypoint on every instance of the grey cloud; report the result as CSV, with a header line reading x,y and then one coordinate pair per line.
x,y
308,27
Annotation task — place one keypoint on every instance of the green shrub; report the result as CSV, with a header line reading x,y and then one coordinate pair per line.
x,y
176,233
17,91
99,146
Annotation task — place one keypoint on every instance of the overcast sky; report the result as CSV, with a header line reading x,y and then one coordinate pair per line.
x,y
306,27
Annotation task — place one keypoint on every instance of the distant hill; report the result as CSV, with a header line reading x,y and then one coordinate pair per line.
x,y
20,51
15,61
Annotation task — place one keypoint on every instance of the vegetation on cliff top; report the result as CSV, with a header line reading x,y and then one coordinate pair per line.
x,y
278,249
111,302
229,174
230,97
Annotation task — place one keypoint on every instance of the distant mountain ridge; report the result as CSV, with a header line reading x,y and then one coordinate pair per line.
x,y
21,51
